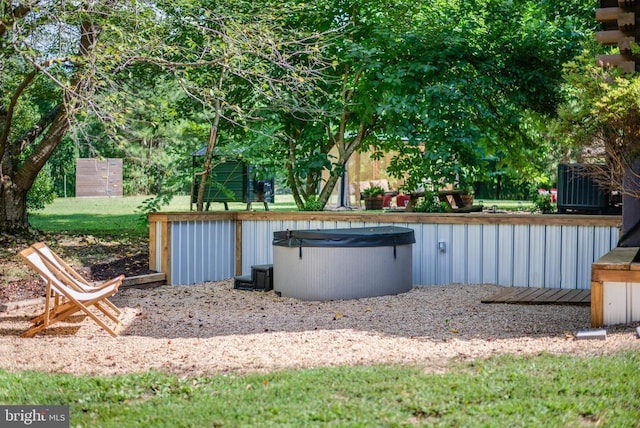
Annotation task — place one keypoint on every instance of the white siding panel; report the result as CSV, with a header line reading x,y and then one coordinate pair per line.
x,y
634,303
474,254
614,303
585,257
506,254
458,254
569,257
443,258
521,256
489,254
537,258
621,303
553,257
202,251
429,245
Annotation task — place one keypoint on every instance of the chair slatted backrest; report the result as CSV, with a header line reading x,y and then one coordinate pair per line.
x,y
59,281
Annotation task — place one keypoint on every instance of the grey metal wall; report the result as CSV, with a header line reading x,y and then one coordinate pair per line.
x,y
504,254
550,256
202,251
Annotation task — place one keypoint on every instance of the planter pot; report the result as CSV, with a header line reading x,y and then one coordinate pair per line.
x,y
467,199
374,203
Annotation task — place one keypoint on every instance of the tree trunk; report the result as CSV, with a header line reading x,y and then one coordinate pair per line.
x,y
13,208
213,139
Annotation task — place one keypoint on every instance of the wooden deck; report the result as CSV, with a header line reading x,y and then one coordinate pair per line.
x,y
541,296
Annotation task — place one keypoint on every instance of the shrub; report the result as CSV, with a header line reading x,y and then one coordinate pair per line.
x,y
373,191
542,203
430,204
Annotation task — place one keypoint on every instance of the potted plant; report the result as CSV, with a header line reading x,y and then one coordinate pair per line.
x,y
373,198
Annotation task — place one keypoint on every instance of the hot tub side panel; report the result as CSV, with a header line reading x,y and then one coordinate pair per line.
x,y
329,273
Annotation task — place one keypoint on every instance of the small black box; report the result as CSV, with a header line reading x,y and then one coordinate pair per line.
x,y
243,282
262,277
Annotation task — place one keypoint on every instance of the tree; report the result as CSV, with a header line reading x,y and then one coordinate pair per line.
x,y
494,79
35,113
445,85
598,123
64,63
365,42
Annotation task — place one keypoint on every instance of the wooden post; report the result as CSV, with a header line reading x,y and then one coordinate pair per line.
x,y
160,246
597,309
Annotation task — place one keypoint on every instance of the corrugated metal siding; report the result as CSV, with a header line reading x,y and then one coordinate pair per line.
x,y
557,256
257,237
505,254
621,302
202,251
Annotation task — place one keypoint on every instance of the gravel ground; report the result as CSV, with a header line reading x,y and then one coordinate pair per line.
x,y
212,328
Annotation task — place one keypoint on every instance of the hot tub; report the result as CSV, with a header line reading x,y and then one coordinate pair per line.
x,y
330,264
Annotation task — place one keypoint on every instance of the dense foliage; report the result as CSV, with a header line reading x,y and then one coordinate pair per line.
x,y
460,91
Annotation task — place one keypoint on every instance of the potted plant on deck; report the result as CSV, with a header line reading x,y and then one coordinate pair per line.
x,y
373,198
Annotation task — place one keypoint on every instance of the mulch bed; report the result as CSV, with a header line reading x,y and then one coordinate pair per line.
x,y
126,257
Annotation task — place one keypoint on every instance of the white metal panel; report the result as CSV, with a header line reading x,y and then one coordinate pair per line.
x,y
584,257
521,255
569,257
489,254
615,237
458,254
443,258
257,239
474,254
416,263
634,302
537,255
553,257
427,241
517,255
614,303
506,255
202,251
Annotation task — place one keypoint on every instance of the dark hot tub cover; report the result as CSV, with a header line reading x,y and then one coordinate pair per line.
x,y
381,236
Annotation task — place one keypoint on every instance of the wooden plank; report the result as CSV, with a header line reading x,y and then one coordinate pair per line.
x,y
600,275
540,296
608,13
617,259
574,296
584,296
545,295
165,249
563,296
500,297
597,307
396,217
524,294
143,280
152,246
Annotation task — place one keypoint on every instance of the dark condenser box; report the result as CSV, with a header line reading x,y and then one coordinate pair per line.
x,y
262,276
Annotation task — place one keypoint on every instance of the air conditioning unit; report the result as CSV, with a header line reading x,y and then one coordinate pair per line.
x,y
578,191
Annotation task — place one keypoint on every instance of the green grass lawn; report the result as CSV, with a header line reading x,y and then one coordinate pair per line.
x,y
122,216
108,216
537,391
